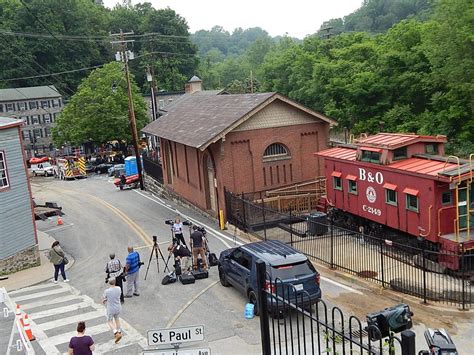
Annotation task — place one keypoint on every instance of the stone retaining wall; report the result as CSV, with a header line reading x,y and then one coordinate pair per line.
x,y
23,260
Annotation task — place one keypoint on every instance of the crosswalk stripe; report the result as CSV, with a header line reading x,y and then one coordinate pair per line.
x,y
72,319
111,346
65,337
30,288
59,310
48,301
39,294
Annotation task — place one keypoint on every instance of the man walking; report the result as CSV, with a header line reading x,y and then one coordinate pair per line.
x,y
197,241
111,298
132,269
113,269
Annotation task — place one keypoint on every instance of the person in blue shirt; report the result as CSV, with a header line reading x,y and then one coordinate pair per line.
x,y
132,268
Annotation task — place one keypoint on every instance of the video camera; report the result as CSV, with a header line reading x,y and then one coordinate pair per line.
x,y
185,222
394,319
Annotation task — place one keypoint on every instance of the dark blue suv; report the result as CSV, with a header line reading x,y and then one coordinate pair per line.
x,y
237,267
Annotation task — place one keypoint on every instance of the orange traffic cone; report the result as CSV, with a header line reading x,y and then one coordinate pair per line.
x,y
60,221
27,329
18,313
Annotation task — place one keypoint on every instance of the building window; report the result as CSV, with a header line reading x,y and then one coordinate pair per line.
x,y
37,133
44,103
337,181
1,107
4,183
446,198
33,105
391,197
35,119
22,106
276,151
56,102
412,202
10,107
352,187
431,148
47,118
400,153
47,132
161,104
371,157
26,134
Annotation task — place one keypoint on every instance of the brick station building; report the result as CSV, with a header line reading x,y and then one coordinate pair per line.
x,y
211,141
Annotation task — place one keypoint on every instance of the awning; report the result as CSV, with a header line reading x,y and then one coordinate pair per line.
x,y
336,174
378,150
409,191
390,186
351,177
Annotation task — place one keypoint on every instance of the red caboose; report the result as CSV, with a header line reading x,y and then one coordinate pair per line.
x,y
404,181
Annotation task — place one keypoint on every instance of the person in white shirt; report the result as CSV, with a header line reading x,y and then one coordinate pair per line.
x,y
178,232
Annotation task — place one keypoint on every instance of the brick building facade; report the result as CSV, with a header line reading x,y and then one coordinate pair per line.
x,y
211,141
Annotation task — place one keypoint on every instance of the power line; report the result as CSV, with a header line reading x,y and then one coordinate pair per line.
x,y
39,21
53,74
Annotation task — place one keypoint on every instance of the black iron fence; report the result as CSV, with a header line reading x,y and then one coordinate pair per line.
x,y
291,325
153,168
416,271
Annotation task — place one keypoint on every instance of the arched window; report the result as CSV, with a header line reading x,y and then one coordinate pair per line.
x,y
276,151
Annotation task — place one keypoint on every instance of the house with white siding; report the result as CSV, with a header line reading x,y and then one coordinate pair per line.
x,y
18,238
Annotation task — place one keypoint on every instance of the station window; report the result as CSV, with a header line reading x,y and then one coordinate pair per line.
x,y
391,197
4,183
446,198
352,187
276,151
412,203
371,157
400,153
337,181
431,148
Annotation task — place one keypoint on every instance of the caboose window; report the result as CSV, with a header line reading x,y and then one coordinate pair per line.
x,y
412,202
371,157
352,187
391,197
431,148
400,153
446,198
337,183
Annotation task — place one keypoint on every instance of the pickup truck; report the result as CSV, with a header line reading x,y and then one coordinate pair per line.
x,y
45,169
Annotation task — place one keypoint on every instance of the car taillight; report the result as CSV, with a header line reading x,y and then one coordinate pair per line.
x,y
318,278
270,287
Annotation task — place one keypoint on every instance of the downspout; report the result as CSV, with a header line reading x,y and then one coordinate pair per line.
x,y
251,162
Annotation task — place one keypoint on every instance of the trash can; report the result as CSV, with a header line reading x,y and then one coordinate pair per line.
x,y
317,223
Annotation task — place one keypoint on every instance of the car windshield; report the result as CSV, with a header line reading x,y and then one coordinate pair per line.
x,y
289,271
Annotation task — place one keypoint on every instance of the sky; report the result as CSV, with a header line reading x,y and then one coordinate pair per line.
x,y
297,18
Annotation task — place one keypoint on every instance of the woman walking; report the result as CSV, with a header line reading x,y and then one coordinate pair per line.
x,y
81,344
59,260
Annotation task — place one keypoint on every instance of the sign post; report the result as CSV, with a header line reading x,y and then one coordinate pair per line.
x,y
174,337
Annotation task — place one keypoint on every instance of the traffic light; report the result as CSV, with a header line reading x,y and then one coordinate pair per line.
x,y
394,319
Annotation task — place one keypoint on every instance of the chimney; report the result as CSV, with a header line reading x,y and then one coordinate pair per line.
x,y
193,85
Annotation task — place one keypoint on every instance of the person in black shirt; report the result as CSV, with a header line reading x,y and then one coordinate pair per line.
x,y
198,247
181,256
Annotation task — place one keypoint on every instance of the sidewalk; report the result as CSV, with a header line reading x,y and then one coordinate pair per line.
x,y
36,274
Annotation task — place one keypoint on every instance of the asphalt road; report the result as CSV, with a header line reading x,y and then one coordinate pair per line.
x,y
101,219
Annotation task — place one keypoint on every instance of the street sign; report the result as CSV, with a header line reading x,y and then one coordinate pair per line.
x,y
200,351
175,335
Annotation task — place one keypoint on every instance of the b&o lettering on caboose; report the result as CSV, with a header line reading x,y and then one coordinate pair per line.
x,y
368,176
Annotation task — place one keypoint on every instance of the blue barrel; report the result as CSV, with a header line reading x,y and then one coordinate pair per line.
x,y
249,307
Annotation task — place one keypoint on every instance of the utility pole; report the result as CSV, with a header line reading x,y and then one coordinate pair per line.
x,y
124,55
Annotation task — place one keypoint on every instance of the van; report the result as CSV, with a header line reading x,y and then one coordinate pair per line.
x,y
45,169
289,272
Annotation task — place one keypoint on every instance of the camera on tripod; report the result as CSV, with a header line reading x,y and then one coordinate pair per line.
x,y
394,319
170,222
201,229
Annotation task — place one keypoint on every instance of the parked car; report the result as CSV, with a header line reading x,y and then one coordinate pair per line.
x,y
102,168
295,274
45,169
114,168
89,168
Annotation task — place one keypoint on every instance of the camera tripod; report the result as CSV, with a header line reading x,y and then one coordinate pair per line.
x,y
156,249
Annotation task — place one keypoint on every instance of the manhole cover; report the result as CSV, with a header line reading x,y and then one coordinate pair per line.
x,y
367,274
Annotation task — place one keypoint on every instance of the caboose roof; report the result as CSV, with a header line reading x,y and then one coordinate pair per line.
x,y
397,140
430,168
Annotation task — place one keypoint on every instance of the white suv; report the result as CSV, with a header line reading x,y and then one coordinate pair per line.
x,y
45,169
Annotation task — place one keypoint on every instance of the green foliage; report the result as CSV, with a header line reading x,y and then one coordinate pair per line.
x,y
97,113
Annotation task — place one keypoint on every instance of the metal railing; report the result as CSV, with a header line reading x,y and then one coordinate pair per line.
x,y
153,168
391,263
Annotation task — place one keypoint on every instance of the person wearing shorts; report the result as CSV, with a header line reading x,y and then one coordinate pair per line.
x,y
111,298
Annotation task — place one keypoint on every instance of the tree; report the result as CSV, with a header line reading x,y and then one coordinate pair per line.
x,y
98,112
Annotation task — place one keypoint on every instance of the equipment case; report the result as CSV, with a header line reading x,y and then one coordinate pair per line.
x,y
187,279
198,275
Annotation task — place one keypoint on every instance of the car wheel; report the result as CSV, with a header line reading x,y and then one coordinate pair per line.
x,y
253,299
223,279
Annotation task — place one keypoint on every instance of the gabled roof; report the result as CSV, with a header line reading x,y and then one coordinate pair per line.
x,y
7,122
202,118
32,92
396,140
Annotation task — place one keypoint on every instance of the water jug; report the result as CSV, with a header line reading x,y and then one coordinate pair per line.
x,y
249,307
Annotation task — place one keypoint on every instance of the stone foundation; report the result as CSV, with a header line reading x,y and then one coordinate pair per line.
x,y
22,260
